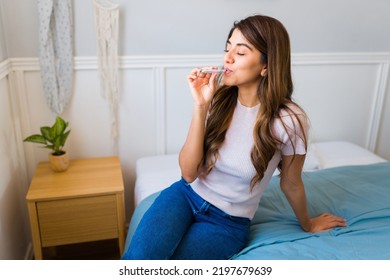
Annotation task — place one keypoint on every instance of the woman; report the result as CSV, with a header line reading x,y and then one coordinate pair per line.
x,y
240,133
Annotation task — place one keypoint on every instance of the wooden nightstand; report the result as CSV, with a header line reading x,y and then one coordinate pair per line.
x,y
84,203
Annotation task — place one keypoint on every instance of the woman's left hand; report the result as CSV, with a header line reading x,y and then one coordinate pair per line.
x,y
326,221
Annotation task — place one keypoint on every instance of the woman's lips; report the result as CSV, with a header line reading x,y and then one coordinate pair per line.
x,y
228,71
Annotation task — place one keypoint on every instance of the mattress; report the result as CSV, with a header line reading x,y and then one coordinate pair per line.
x,y
155,173
359,193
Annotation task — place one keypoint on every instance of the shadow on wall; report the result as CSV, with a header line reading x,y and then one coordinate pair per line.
x,y
14,229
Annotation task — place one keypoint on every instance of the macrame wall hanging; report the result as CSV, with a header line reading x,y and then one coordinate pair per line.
x,y
56,51
107,25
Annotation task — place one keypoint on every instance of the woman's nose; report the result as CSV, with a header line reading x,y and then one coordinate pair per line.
x,y
228,57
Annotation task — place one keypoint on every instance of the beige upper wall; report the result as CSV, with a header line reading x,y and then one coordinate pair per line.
x,y
152,27
3,50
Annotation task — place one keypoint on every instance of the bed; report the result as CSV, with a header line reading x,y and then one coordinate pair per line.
x,y
340,177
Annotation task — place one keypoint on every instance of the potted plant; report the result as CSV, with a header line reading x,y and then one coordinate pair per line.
x,y
54,138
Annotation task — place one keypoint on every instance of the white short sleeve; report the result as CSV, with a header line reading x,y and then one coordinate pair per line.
x,y
290,133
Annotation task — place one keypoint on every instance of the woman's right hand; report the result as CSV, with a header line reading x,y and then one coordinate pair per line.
x,y
202,86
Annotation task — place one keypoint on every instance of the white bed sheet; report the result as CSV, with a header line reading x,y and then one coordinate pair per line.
x,y
155,173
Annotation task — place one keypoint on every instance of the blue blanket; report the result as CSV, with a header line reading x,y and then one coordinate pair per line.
x,y
361,194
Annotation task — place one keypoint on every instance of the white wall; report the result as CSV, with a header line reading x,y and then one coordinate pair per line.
x,y
14,227
151,27
384,134
341,73
3,51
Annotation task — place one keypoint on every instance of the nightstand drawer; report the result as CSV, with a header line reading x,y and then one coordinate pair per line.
x,y
77,220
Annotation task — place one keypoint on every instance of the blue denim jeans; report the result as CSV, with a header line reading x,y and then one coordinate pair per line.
x,y
181,225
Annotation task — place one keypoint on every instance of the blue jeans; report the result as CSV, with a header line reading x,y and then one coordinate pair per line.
x,y
181,225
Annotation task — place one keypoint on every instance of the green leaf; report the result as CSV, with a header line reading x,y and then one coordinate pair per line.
x,y
52,133
36,138
59,126
57,143
63,138
45,131
51,147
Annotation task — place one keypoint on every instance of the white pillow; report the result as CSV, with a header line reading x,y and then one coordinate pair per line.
x,y
341,153
312,161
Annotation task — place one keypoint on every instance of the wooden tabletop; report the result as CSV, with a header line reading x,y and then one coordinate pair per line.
x,y
90,176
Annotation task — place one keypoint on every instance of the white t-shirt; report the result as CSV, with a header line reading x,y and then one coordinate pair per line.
x,y
227,186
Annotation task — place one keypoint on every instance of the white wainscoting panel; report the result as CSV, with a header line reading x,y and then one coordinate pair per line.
x,y
339,100
14,225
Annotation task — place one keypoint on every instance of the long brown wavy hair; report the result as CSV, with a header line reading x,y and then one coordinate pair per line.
x,y
275,89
